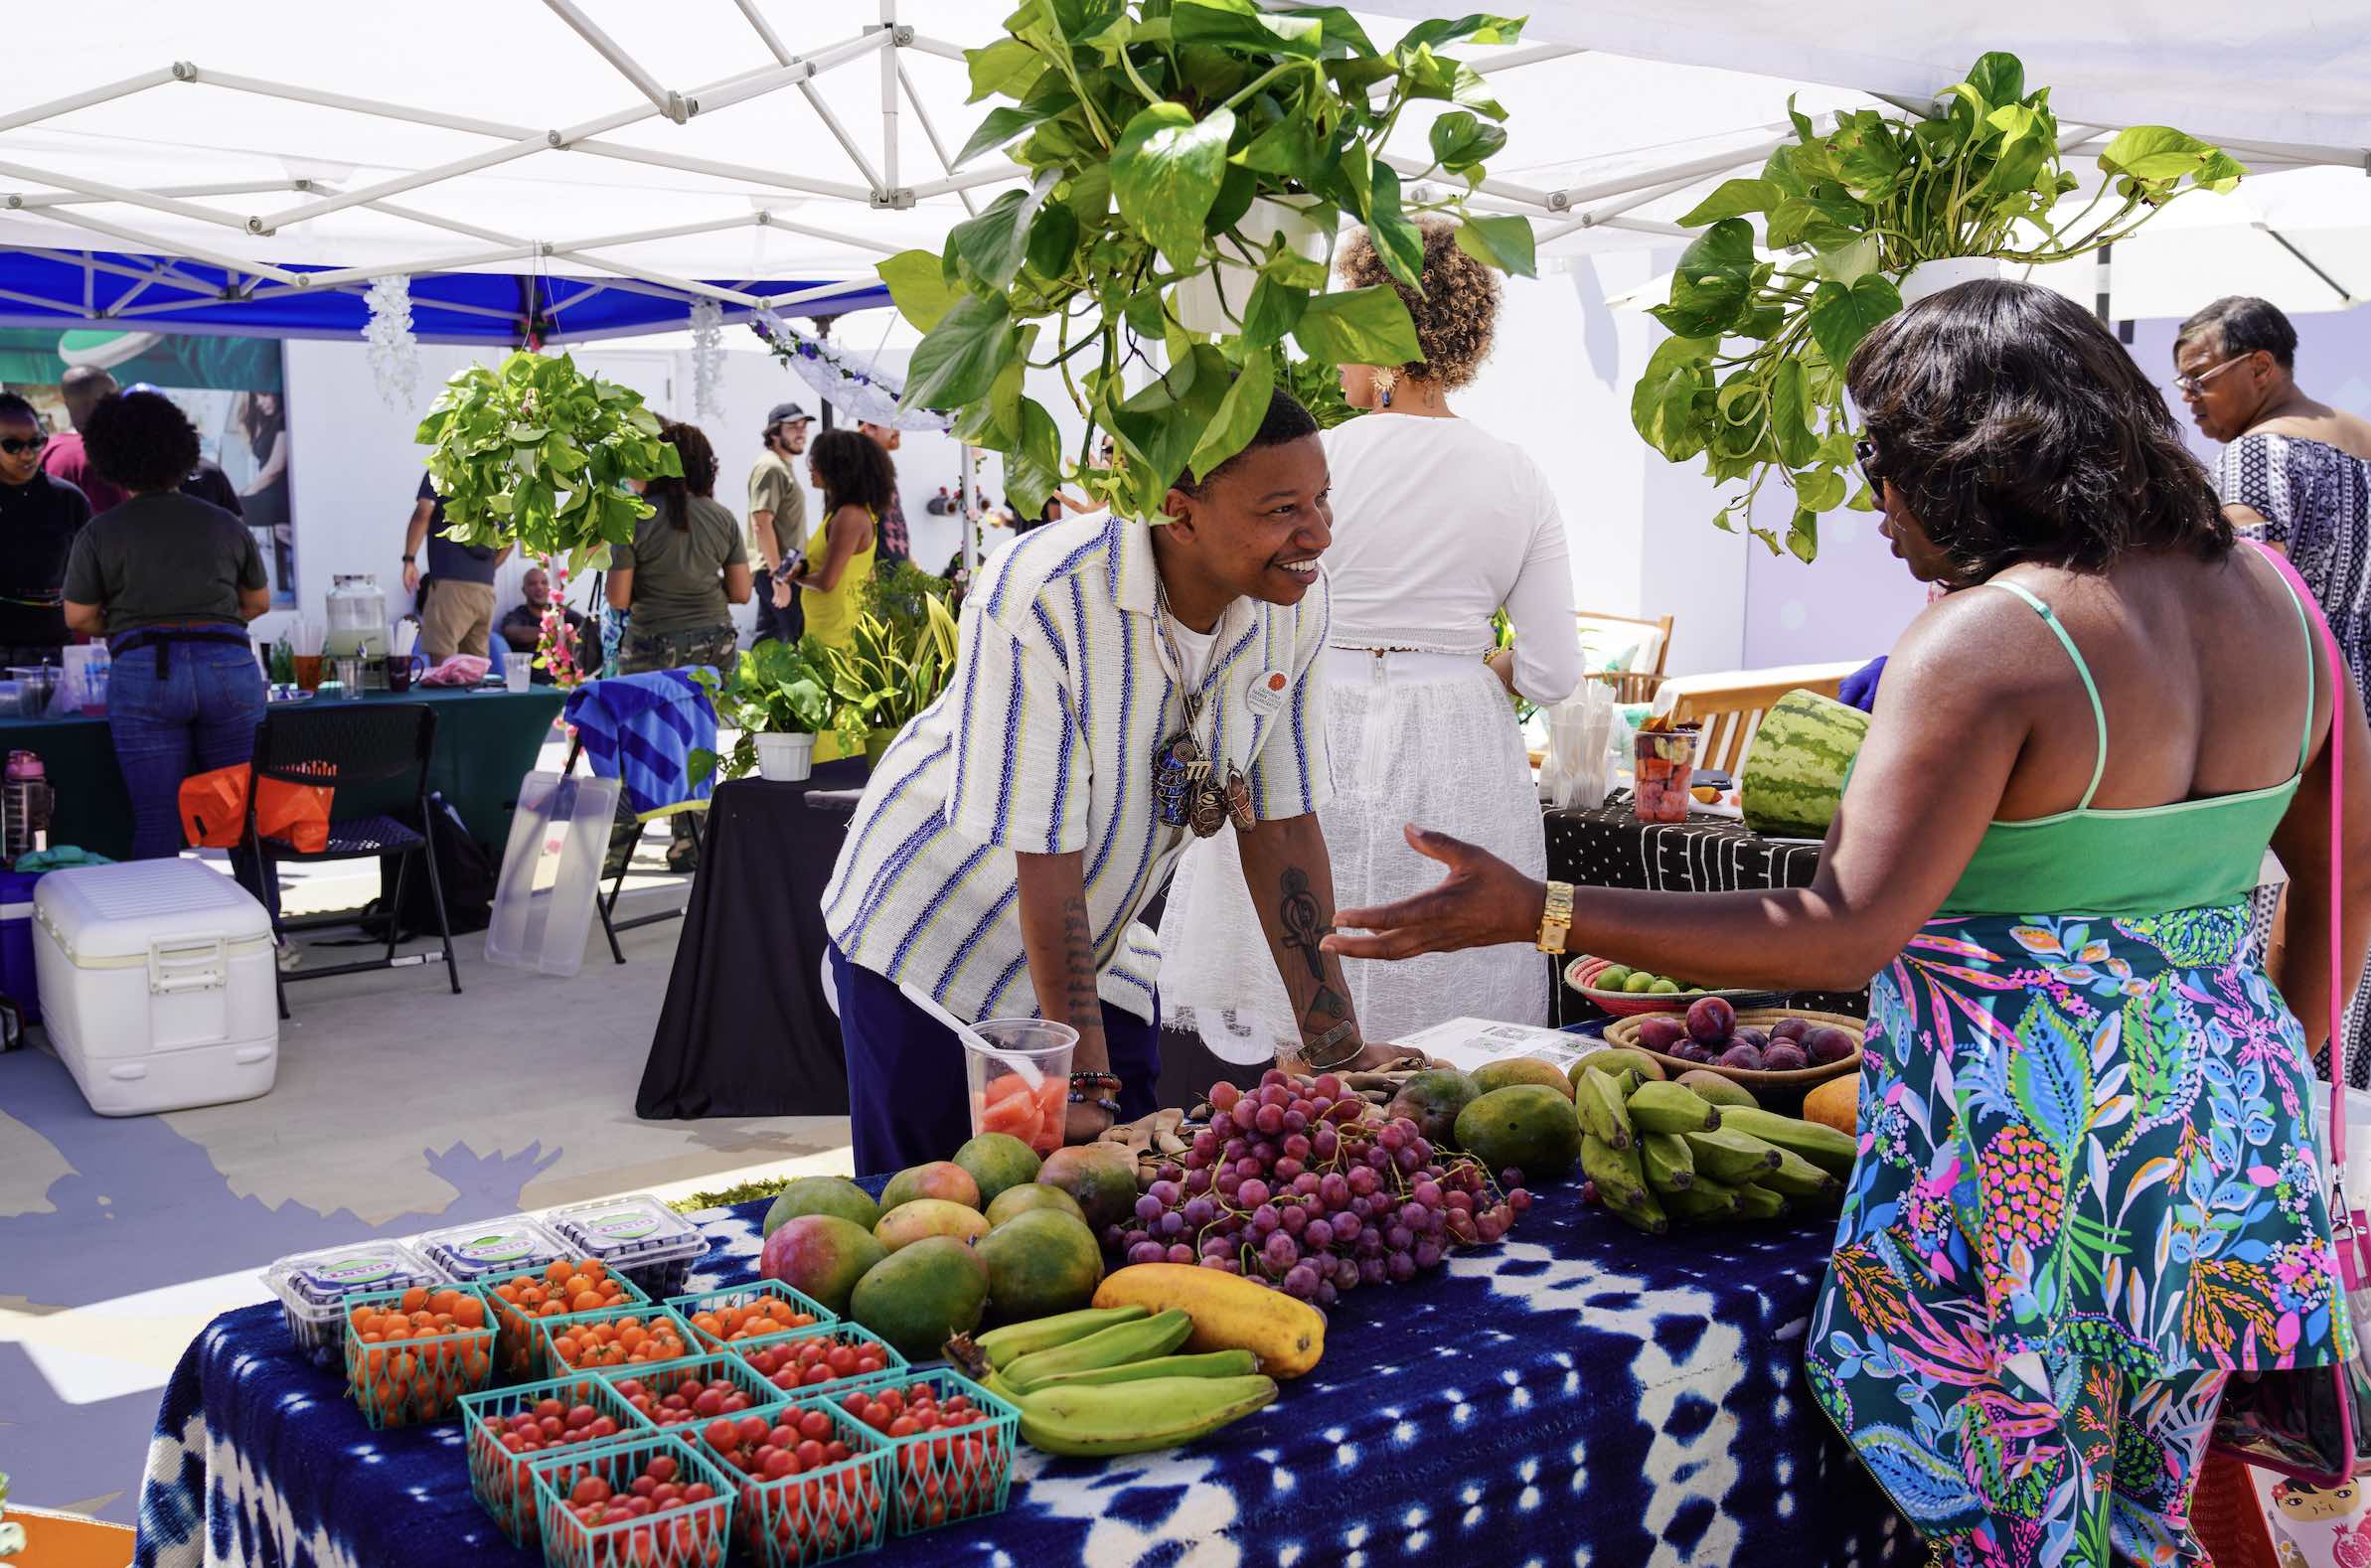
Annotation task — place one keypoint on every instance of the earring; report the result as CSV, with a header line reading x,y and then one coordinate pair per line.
x,y
1386,397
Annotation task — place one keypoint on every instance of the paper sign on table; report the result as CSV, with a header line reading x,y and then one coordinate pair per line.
x,y
1469,1043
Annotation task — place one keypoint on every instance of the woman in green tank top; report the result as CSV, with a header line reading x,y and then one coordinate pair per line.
x,y
2087,1187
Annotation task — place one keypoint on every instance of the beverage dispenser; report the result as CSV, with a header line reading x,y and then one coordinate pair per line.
x,y
357,620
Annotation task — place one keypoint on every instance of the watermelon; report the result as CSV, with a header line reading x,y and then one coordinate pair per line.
x,y
1794,777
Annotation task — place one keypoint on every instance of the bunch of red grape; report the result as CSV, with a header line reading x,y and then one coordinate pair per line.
x,y
1301,1185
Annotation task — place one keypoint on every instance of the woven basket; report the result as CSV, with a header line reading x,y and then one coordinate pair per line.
x,y
1625,1032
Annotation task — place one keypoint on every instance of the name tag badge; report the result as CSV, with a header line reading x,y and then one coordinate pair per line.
x,y
1267,693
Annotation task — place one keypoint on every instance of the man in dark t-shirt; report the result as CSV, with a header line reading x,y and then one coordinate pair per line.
x,y
39,519
459,614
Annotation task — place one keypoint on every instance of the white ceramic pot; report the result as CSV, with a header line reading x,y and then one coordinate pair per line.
x,y
1196,300
1933,278
785,759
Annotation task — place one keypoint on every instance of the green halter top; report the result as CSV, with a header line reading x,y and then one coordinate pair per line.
x,y
2133,861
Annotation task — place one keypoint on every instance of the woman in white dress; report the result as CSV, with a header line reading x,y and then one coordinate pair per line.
x,y
1436,526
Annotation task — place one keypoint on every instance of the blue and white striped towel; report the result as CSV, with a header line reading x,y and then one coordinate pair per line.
x,y
641,729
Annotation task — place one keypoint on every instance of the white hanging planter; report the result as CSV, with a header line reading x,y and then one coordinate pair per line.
x,y
1933,278
785,759
1196,300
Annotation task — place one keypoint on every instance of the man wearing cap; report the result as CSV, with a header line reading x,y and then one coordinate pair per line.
x,y
777,513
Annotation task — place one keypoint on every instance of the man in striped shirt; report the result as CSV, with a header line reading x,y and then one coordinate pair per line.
x,y
1010,833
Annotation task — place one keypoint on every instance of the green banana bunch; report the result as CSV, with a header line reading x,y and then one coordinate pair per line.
x,y
1213,1363
1670,1165
1622,1185
1706,1200
1825,1146
1597,1099
1137,1341
1727,1155
998,1348
1661,1106
1098,1419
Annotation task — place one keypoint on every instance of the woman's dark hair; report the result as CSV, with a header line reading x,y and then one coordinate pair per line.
x,y
853,471
2016,429
140,441
2244,324
254,421
669,494
1285,420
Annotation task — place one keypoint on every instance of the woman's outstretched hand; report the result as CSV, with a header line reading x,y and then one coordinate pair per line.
x,y
1482,903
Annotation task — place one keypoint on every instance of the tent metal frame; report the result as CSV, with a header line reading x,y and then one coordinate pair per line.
x,y
883,185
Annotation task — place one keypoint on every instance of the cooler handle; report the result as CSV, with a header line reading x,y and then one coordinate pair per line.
x,y
185,966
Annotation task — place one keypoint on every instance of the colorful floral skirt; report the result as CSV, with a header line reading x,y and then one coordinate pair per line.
x,y
2087,1187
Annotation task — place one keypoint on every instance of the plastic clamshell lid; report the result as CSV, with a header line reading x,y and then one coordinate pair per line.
x,y
489,1246
123,911
311,1284
626,1231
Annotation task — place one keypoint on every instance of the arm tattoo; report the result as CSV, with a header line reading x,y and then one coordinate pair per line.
x,y
1083,1002
1303,922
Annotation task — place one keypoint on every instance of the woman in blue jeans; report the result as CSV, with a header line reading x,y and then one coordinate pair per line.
x,y
171,582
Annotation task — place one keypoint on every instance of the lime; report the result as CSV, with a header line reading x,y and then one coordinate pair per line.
x,y
1612,977
1639,982
1664,987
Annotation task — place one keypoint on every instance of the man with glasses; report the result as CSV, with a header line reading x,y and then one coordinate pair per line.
x,y
40,515
2296,474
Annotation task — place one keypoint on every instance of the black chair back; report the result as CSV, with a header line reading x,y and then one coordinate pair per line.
x,y
347,745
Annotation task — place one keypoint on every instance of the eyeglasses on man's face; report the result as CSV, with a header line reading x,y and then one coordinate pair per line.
x,y
2189,386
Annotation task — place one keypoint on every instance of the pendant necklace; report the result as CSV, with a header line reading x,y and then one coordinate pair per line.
x,y
1185,792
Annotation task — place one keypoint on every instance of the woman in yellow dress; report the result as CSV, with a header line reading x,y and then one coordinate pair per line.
x,y
857,478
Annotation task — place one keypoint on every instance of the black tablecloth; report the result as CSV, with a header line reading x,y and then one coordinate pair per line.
x,y
746,1029
1610,848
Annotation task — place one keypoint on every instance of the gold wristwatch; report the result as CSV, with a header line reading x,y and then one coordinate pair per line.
x,y
1557,919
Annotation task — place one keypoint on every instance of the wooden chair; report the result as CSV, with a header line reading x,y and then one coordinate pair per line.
x,y
1660,626
1731,706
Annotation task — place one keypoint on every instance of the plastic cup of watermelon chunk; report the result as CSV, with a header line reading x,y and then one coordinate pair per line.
x,y
1003,1099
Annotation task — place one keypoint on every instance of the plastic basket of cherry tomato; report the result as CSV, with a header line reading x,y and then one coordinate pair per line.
x,y
814,1482
759,1309
950,1443
654,1501
411,1355
603,1342
693,1390
550,1290
509,1428
818,1358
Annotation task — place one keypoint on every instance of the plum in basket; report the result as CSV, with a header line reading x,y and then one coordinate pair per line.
x,y
1756,1037
1710,1020
1789,1028
1741,1059
1827,1044
1784,1056
1661,1031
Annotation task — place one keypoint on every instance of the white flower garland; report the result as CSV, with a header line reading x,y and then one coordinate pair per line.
x,y
394,350
708,360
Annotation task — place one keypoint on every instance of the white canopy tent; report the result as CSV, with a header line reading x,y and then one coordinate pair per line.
x,y
652,148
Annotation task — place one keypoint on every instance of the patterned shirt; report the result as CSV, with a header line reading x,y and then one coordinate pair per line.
x,y
1044,744
891,543
2316,502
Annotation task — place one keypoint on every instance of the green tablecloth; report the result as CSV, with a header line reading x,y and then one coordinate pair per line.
x,y
486,742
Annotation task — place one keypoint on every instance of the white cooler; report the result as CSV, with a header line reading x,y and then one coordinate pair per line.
x,y
157,984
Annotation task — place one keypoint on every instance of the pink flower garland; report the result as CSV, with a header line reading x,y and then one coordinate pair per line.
x,y
556,650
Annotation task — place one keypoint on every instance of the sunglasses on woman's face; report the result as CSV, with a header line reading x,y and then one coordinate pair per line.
x,y
19,445
1866,452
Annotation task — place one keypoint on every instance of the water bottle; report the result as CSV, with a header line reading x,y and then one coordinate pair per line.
x,y
25,803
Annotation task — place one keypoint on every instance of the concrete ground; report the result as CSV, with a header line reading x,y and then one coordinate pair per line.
x,y
398,1108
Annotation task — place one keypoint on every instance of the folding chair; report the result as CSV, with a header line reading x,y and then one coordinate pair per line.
x,y
349,746
605,901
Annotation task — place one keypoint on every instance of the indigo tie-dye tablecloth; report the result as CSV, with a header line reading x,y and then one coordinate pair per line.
x,y
1579,1394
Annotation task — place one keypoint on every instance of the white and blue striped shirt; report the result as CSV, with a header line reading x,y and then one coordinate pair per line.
x,y
1044,744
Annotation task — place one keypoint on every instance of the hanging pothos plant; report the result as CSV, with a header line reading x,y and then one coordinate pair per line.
x,y
1753,377
1150,130
536,452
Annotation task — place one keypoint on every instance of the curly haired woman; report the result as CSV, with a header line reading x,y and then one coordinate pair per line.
x,y
1436,526
2088,1190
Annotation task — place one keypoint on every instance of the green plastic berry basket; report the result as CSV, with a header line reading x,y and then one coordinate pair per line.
x,y
518,1349
419,1379
708,1367
850,1334
693,1535
940,1478
550,1332
501,1478
691,1307
818,1515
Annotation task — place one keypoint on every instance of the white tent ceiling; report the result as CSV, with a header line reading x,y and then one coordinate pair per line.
x,y
1623,111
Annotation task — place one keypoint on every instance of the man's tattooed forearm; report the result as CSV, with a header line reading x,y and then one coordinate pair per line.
x,y
1085,1002
1303,922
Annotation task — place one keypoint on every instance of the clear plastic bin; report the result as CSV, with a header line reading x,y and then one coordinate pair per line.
x,y
505,1246
550,874
313,1288
637,1237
